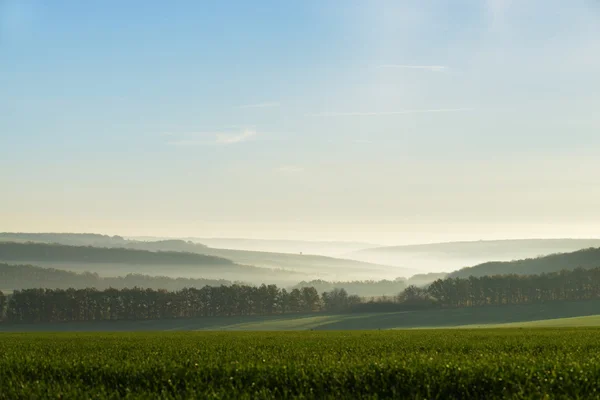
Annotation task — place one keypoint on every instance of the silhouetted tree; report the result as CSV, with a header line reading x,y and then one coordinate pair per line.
x,y
2,305
336,300
577,284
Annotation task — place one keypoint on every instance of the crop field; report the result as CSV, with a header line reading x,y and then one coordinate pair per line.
x,y
421,364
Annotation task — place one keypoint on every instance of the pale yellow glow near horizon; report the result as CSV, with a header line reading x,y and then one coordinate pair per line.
x,y
384,234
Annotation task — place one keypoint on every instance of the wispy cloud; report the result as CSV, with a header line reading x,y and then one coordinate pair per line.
x,y
383,113
238,138
433,68
268,104
210,138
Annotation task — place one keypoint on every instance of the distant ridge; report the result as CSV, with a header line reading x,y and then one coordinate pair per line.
x,y
309,265
31,251
487,245
586,258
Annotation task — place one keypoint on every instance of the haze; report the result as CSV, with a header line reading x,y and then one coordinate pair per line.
x,y
383,122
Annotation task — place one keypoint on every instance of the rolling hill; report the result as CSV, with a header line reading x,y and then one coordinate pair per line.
x,y
15,277
329,248
111,261
73,239
586,258
317,266
321,267
446,257
306,266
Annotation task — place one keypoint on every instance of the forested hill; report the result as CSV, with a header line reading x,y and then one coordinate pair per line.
x,y
96,240
319,266
10,251
326,267
445,257
586,258
509,247
118,261
16,277
72,239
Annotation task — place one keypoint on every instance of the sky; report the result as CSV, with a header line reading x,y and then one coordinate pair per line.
x,y
383,121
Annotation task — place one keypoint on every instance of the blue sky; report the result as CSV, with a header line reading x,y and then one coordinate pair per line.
x,y
390,121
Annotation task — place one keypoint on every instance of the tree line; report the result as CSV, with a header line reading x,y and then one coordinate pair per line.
x,y
567,285
58,305
577,284
367,288
30,277
371,288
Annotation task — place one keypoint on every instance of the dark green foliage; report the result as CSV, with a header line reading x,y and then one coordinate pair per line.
x,y
367,288
573,285
338,300
28,276
86,254
46,305
578,284
587,258
2,305
57,305
442,364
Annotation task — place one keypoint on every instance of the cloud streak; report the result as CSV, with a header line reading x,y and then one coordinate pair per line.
x,y
232,139
384,113
211,138
268,104
432,68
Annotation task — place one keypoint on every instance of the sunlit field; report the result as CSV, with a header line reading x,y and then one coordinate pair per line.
x,y
460,364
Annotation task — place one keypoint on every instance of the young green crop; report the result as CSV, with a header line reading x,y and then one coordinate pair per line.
x,y
444,364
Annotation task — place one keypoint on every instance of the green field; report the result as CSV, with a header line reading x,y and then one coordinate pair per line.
x,y
581,313
445,364
592,320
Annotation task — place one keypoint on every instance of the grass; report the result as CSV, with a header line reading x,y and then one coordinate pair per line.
x,y
589,321
429,364
584,313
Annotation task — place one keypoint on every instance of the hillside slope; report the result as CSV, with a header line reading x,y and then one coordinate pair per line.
x,y
445,257
59,252
586,258
310,266
318,266
16,277
329,248
72,239
110,261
